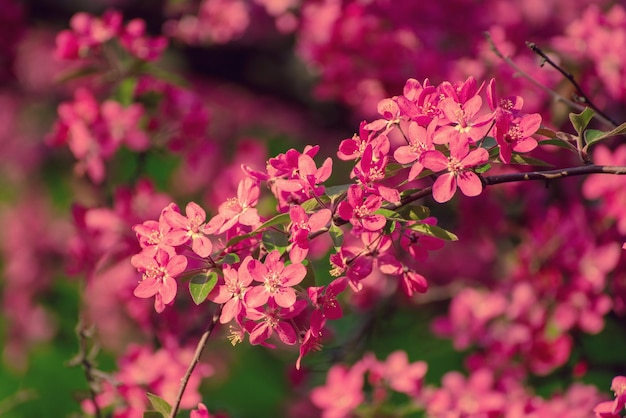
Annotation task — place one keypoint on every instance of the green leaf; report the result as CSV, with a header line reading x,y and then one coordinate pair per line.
x,y
333,191
310,205
336,235
592,135
159,404
483,168
153,414
434,231
415,212
526,160
126,91
231,258
557,142
388,213
488,142
201,285
546,132
582,119
280,219
274,240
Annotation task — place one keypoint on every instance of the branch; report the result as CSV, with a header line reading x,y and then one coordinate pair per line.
x,y
84,358
554,174
570,78
196,358
556,96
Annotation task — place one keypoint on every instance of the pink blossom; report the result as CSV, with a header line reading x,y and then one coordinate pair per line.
x,y
277,280
241,209
342,393
159,275
325,298
190,227
360,212
419,140
403,376
272,318
352,148
459,165
301,226
312,336
133,38
514,134
231,293
467,124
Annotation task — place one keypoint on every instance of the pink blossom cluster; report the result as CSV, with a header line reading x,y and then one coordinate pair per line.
x,y
94,131
367,386
88,34
558,287
142,370
594,43
27,273
538,270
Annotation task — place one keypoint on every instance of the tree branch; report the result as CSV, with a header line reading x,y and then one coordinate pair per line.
x,y
196,358
579,91
537,84
554,174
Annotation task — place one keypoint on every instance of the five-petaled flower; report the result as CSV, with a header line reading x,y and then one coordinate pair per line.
x,y
458,165
158,277
360,212
277,280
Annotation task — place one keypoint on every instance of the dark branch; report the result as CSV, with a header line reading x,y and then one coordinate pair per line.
x,y
582,97
554,174
196,358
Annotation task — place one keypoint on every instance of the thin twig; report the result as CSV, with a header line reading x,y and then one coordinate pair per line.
x,y
554,174
579,91
556,96
196,358
84,358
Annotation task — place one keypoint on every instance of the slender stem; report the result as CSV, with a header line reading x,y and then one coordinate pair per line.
x,y
196,358
579,91
554,174
549,91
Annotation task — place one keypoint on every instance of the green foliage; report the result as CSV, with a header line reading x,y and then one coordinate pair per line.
x,y
201,285
159,404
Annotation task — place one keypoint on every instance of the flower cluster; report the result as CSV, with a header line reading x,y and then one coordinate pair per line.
x,y
88,34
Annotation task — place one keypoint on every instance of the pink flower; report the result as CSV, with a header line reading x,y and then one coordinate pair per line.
x,y
390,112
312,336
458,164
241,209
420,140
190,227
467,124
158,277
151,234
514,134
133,38
201,412
403,376
342,393
360,212
301,226
271,319
618,385
352,148
277,280
326,302
231,293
